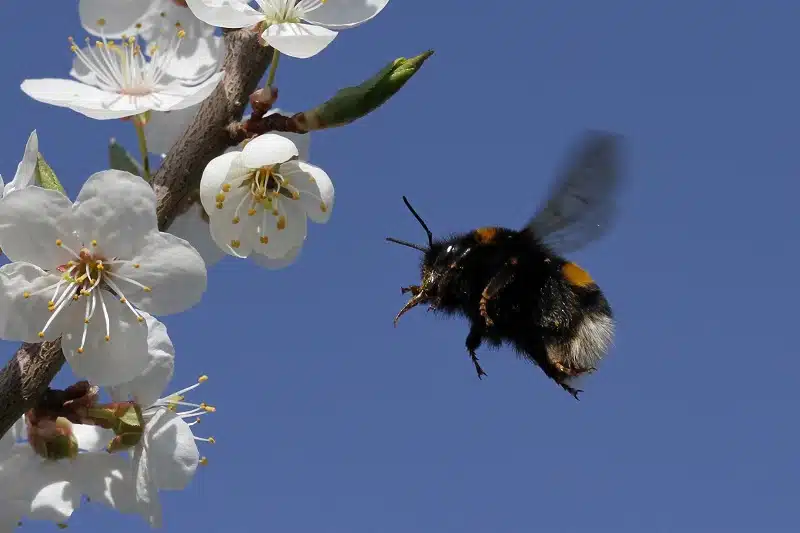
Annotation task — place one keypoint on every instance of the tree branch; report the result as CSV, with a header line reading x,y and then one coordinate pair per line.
x,y
26,377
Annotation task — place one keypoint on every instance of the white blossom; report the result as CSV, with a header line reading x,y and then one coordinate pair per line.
x,y
37,488
123,79
258,199
167,457
299,29
84,270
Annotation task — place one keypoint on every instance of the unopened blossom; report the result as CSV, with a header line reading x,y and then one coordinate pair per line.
x,y
296,28
258,200
116,79
49,488
85,270
26,169
167,456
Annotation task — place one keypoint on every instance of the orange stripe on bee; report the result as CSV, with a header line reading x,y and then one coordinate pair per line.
x,y
486,235
576,276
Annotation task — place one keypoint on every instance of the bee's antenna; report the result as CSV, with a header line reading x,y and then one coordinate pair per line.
x,y
419,219
406,243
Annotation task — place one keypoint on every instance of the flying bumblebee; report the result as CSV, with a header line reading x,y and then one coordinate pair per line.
x,y
514,286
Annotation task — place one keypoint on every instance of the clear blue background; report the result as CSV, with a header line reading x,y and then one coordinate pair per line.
x,y
331,420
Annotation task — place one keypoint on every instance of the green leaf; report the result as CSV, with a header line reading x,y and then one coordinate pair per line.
x,y
352,103
120,159
46,177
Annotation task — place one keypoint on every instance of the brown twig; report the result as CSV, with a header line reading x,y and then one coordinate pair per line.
x,y
27,376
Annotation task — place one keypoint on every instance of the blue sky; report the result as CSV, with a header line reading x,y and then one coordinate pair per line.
x,y
330,420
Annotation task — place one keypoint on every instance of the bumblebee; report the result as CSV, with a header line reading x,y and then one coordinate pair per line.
x,y
515,287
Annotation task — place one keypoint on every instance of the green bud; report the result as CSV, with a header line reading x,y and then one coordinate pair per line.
x,y
352,103
120,159
45,175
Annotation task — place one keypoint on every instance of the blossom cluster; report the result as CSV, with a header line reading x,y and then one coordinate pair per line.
x,y
96,272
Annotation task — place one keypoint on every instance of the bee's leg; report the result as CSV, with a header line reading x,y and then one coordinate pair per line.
x,y
501,279
473,342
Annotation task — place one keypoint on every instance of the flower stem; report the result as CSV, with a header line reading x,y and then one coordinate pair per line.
x,y
273,67
138,122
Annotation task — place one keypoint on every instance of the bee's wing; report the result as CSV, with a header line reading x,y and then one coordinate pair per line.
x,y
581,206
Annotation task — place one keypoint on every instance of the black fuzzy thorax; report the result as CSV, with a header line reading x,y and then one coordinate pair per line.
x,y
539,307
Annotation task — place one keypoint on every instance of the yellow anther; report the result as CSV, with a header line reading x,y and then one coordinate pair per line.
x,y
140,318
108,338
211,440
61,525
226,187
251,212
58,242
295,195
26,294
147,289
94,242
181,34
85,320
204,461
202,378
220,205
100,266
80,349
138,25
75,297
264,239
41,334
220,197
136,265
275,212
73,48
123,300
235,220
235,243
70,263
101,22
281,222
323,207
84,292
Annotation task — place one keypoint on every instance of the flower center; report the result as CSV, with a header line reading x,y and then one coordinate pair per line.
x,y
278,11
89,274
121,67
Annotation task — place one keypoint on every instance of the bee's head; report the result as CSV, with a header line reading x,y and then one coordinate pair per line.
x,y
429,271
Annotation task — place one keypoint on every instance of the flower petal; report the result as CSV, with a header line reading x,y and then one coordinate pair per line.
x,y
21,319
31,221
106,363
298,40
118,16
315,186
172,453
268,149
146,491
234,239
225,15
282,241
148,387
192,227
187,96
92,438
213,176
343,14
171,268
164,128
277,264
84,99
118,209
105,478
54,501
197,57
26,169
